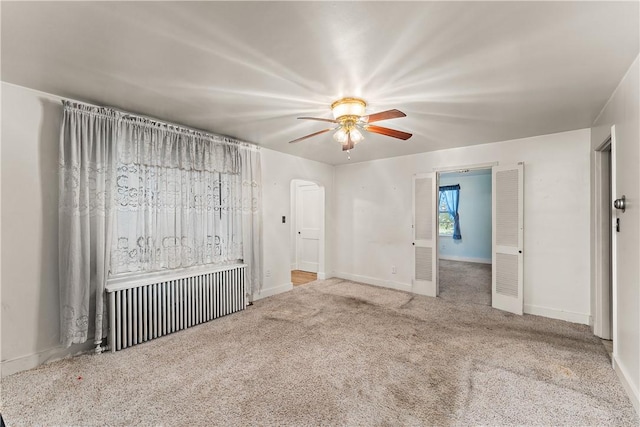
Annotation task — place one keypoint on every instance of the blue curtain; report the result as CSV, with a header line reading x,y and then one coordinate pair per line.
x,y
450,194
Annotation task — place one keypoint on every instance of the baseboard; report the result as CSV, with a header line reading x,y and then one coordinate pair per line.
x,y
322,276
465,259
264,293
33,360
569,316
628,386
373,281
294,266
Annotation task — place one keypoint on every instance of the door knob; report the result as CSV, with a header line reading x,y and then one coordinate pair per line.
x,y
620,203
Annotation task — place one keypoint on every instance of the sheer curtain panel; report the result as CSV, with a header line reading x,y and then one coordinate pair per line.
x,y
86,177
252,218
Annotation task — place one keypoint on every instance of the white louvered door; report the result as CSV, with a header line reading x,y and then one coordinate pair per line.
x,y
508,228
425,234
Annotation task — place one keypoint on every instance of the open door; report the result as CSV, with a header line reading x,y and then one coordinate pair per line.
x,y
508,230
425,234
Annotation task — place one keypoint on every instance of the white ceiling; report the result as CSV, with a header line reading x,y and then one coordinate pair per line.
x,y
465,73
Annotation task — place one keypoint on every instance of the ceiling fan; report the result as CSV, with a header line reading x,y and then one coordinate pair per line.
x,y
350,119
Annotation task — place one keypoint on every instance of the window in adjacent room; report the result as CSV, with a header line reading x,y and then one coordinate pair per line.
x,y
448,220
445,221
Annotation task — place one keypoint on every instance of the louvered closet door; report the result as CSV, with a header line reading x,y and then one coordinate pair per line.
x,y
425,234
507,208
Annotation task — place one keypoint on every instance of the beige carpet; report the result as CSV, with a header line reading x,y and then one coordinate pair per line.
x,y
337,353
466,282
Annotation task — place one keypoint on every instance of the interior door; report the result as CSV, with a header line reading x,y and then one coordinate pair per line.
x,y
508,231
308,225
425,234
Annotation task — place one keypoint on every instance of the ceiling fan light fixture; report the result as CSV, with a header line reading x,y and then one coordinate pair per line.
x,y
356,135
340,136
348,107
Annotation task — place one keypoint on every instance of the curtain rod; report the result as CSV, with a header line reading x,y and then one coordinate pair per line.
x,y
127,115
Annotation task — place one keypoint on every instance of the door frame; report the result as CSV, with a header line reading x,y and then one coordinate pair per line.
x,y
449,169
293,219
601,285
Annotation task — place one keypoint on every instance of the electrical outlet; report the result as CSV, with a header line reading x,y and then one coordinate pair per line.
x,y
267,273
394,270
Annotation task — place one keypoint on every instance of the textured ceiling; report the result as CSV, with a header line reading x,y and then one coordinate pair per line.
x,y
465,73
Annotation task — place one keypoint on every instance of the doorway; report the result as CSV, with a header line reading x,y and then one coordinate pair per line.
x,y
507,234
605,220
464,250
307,231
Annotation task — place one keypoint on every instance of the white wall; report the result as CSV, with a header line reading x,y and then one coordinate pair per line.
x,y
623,111
278,169
474,211
30,324
373,218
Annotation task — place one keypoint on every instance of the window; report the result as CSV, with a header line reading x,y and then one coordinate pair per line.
x,y
178,201
448,219
445,221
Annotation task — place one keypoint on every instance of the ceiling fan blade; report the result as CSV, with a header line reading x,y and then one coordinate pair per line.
x,y
388,132
383,115
318,119
311,135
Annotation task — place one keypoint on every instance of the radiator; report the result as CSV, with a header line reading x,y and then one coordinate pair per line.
x,y
148,307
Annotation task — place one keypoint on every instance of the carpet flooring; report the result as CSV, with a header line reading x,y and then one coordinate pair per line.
x,y
466,282
334,352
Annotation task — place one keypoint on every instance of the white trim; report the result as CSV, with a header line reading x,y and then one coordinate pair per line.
x,y
627,384
466,259
614,243
322,275
602,286
142,279
390,284
294,219
553,313
293,266
33,360
474,166
269,292
1,240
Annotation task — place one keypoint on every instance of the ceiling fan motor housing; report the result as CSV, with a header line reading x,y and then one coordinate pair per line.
x,y
348,107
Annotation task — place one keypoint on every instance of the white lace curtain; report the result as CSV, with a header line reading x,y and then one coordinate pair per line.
x,y
86,177
173,198
178,200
